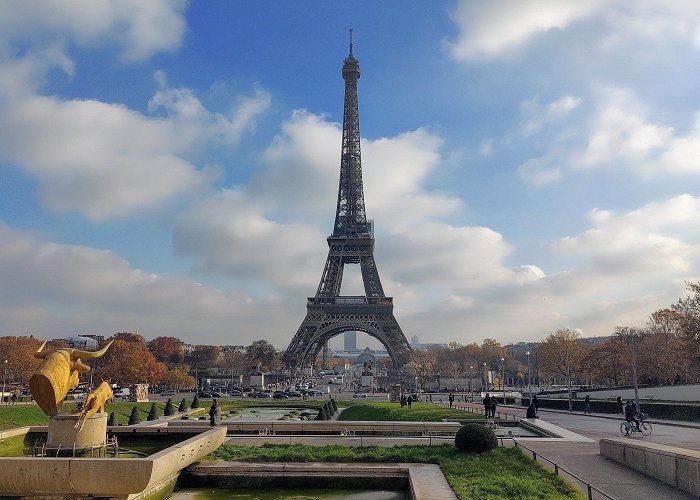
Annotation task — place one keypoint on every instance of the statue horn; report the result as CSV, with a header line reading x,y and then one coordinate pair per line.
x,y
78,354
39,354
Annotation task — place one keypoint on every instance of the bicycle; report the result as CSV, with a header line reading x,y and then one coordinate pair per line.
x,y
629,428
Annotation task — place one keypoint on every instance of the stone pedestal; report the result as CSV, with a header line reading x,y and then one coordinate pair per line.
x,y
63,435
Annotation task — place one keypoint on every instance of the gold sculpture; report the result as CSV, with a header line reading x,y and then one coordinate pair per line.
x,y
95,403
57,374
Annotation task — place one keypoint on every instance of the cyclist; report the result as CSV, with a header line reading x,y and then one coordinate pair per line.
x,y
631,414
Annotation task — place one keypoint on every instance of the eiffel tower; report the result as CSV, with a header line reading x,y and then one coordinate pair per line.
x,y
328,313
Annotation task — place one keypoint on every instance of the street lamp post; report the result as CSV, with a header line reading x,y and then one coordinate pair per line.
x,y
486,379
529,384
4,376
471,382
503,378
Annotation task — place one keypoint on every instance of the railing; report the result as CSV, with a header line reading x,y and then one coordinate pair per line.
x,y
590,489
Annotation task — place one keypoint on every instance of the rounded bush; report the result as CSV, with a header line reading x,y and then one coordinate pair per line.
x,y
475,438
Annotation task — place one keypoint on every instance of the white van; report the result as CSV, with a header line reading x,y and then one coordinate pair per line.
x,y
122,393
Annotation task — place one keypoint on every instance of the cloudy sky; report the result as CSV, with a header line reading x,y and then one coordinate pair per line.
x,y
172,167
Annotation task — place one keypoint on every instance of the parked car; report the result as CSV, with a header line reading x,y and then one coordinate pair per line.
x,y
262,395
204,394
314,393
235,392
279,395
359,395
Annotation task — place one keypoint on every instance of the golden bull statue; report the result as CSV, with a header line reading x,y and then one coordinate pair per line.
x,y
57,374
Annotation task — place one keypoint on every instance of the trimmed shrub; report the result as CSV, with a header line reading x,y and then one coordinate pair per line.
x,y
475,438
169,409
183,406
195,402
334,405
153,413
134,418
112,420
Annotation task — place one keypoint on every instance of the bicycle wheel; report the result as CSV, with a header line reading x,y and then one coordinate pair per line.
x,y
645,428
625,429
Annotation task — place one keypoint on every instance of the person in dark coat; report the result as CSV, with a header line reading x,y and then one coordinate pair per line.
x,y
493,407
214,414
487,405
587,405
531,411
451,398
620,407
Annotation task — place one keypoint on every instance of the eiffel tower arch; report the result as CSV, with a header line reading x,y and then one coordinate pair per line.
x,y
328,313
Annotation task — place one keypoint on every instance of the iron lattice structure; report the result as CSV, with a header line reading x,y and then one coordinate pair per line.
x,y
328,313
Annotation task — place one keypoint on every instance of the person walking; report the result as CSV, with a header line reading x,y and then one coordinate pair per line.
x,y
451,398
487,405
408,401
536,403
587,405
214,414
493,407
620,406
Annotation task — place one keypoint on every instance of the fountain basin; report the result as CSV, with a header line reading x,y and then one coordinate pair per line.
x,y
104,477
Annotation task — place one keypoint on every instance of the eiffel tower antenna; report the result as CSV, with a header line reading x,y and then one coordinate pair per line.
x,y
328,313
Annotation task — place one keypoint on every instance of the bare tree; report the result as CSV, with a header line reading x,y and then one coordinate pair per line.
x,y
559,354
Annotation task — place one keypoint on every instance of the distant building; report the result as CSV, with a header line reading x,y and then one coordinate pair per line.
x,y
350,341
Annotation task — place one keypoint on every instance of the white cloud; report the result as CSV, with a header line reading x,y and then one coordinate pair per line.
x,y
490,29
53,290
139,29
621,132
98,159
657,239
230,235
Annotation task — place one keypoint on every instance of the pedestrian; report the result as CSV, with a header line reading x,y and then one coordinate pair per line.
x,y
493,407
620,406
408,401
536,403
587,405
531,411
403,400
430,396
487,405
451,399
214,414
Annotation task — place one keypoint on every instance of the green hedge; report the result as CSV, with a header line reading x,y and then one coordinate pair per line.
x,y
670,411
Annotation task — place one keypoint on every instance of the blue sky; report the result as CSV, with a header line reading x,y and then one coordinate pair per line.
x,y
172,167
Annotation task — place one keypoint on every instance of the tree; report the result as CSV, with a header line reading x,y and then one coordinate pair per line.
x,y
169,408
179,378
195,402
261,352
135,417
203,357
422,365
559,354
630,337
153,413
127,366
167,349
182,407
19,353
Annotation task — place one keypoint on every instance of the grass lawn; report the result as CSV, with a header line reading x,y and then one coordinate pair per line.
x,y
500,473
22,415
419,412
